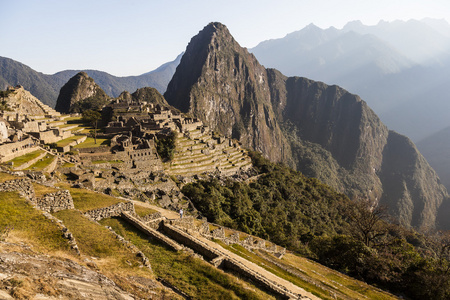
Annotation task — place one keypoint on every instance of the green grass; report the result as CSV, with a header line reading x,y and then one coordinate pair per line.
x,y
90,142
68,165
18,161
347,285
65,142
42,163
142,211
193,276
106,161
29,224
85,200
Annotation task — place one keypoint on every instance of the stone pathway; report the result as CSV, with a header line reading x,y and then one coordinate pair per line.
x,y
270,276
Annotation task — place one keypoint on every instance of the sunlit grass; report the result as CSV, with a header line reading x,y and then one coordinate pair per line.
x,y
142,211
41,190
85,200
42,163
18,161
347,285
29,224
112,257
65,142
90,142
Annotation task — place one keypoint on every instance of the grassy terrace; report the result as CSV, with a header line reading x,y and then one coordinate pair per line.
x,y
347,285
343,286
18,161
42,163
195,277
85,128
65,142
85,200
90,142
106,161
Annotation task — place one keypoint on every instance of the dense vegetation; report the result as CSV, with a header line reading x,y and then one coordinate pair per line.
x,y
310,218
165,146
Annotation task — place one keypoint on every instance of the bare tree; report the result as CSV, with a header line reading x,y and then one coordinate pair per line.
x,y
368,223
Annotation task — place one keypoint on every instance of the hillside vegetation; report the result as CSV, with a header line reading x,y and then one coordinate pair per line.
x,y
310,218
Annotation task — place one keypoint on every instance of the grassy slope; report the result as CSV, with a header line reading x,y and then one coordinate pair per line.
x,y
29,224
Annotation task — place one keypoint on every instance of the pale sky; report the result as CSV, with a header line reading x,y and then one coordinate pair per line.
x,y
131,37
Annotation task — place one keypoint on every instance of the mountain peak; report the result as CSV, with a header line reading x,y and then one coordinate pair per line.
x,y
79,88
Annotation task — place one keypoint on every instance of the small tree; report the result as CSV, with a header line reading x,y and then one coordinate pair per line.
x,y
92,117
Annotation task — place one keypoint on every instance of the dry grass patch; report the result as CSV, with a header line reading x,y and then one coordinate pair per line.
x,y
5,177
41,190
111,257
29,224
142,211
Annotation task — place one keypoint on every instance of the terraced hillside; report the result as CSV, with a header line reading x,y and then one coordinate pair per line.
x,y
198,152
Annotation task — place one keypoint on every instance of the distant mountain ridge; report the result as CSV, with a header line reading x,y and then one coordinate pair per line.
x,y
321,130
47,87
397,67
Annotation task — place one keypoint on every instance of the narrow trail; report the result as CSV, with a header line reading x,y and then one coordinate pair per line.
x,y
270,276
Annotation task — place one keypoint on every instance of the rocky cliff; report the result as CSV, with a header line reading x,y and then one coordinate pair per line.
x,y
80,88
323,131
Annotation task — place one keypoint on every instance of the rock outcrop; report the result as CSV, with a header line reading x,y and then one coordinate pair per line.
x,y
80,88
323,131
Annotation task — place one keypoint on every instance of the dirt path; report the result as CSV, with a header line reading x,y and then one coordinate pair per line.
x,y
270,276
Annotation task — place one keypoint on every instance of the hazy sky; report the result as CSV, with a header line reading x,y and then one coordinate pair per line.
x,y
131,37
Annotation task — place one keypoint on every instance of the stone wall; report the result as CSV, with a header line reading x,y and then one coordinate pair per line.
x,y
10,151
235,237
54,202
101,149
151,232
152,217
23,186
115,210
217,258
52,166
189,241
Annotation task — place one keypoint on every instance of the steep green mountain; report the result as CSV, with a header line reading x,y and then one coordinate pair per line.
x,y
323,131
80,93
46,87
